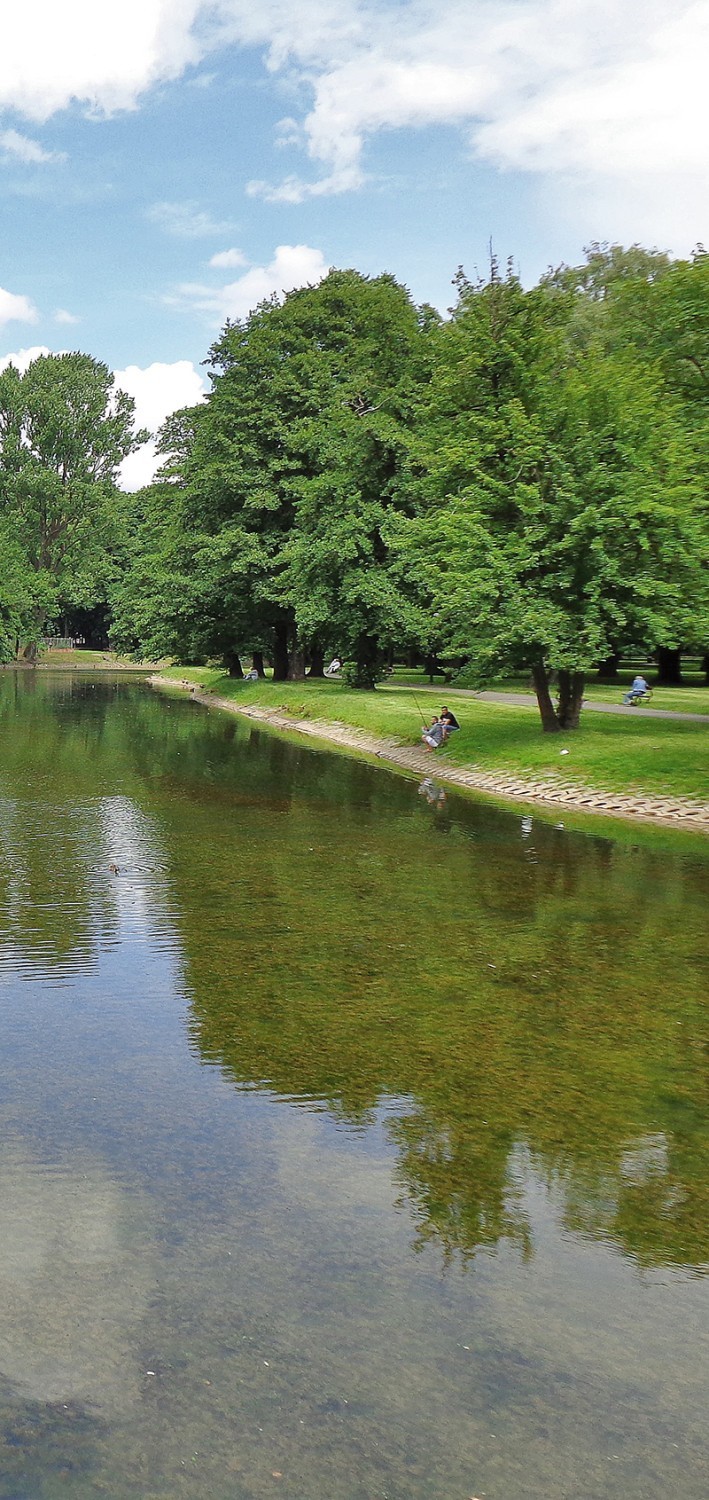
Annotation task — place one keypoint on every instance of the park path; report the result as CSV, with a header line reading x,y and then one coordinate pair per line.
x,y
528,700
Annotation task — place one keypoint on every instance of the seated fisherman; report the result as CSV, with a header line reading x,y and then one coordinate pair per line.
x,y
434,734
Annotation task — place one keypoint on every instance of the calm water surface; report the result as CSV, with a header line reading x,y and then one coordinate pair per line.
x,y
353,1146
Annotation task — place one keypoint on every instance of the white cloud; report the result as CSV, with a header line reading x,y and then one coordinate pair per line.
x,y
604,97
104,56
23,357
605,101
294,189
62,316
586,88
16,308
17,147
157,390
186,220
292,266
227,260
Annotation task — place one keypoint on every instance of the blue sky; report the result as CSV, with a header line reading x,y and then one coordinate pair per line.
x,y
166,163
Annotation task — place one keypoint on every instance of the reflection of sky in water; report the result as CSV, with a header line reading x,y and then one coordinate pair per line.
x,y
112,887
222,1287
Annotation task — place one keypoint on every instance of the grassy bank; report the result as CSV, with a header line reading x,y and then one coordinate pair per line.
x,y
79,659
621,753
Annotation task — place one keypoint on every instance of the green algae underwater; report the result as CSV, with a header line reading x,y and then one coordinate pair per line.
x,y
355,1143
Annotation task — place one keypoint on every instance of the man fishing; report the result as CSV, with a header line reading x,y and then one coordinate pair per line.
x,y
433,734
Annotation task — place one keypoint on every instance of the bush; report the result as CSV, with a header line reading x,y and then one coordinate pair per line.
x,y
362,674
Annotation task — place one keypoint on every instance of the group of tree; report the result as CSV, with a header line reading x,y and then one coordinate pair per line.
x,y
64,431
519,486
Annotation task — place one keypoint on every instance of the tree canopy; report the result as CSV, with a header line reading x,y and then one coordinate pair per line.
x,y
64,431
519,486
564,513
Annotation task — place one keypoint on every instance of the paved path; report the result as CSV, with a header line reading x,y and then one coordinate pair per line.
x,y
528,700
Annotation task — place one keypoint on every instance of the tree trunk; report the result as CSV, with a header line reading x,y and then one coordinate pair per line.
x,y
669,667
571,686
705,668
540,677
430,665
296,659
232,662
280,651
317,663
39,624
257,659
366,659
609,667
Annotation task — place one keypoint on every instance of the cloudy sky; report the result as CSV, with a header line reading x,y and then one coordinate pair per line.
x,y
165,164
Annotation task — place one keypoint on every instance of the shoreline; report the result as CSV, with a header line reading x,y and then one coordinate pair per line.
x,y
95,666
551,792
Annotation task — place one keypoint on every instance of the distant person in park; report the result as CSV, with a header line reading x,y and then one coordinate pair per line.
x,y
434,734
251,676
334,667
449,721
638,688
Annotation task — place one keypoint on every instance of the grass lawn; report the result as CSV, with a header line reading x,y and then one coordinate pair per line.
x,y
692,699
683,700
77,659
614,753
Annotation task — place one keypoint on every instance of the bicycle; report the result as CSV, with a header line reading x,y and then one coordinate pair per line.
x,y
631,700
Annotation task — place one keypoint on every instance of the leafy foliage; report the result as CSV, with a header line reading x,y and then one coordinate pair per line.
x,y
566,512
64,431
521,486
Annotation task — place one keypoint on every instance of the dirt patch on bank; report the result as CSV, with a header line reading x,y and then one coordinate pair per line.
x,y
550,790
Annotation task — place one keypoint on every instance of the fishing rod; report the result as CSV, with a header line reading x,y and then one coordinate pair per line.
x,y
418,705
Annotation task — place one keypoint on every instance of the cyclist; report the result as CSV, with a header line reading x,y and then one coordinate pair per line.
x,y
637,690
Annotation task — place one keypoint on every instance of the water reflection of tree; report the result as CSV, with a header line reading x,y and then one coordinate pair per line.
x,y
66,754
459,1183
513,985
512,1000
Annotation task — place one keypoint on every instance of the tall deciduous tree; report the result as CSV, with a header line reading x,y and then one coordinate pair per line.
x,y
64,431
290,468
564,516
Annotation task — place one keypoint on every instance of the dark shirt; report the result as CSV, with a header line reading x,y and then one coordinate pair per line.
x,y
450,719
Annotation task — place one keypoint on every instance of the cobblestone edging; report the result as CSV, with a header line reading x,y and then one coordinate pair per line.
x,y
552,790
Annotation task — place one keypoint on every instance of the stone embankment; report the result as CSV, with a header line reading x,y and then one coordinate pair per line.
x,y
550,790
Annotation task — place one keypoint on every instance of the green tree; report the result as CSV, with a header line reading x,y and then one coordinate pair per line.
x,y
564,513
184,593
23,594
290,468
642,300
64,430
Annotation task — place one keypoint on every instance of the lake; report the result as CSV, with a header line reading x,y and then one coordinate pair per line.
x,y
355,1139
